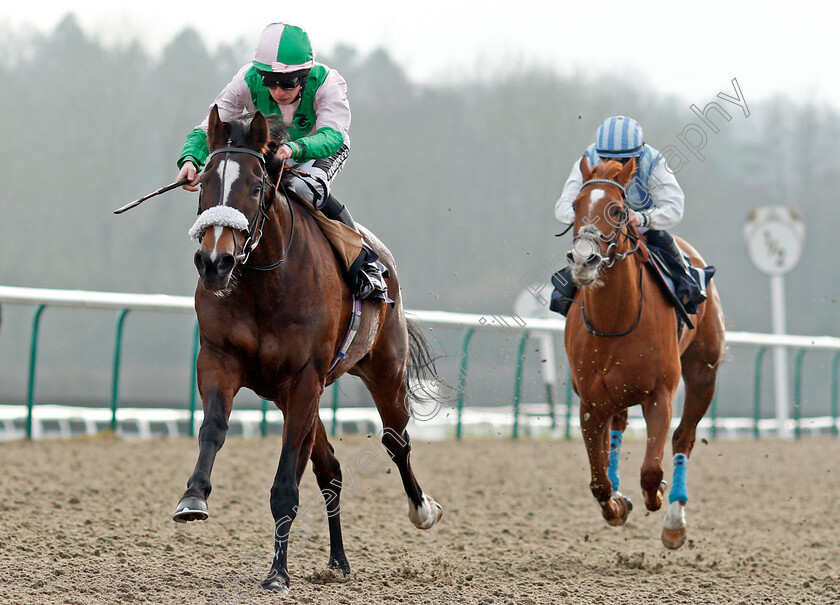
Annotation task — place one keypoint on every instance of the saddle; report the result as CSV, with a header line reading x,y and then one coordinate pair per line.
x,y
346,242
685,291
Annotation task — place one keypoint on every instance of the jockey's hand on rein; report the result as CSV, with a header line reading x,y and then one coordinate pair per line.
x,y
284,152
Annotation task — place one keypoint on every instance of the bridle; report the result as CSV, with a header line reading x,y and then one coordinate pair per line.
x,y
268,191
613,257
606,262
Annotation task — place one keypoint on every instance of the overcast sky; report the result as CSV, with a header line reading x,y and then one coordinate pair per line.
x,y
692,50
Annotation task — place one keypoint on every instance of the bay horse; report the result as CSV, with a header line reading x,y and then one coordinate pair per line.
x,y
624,349
273,317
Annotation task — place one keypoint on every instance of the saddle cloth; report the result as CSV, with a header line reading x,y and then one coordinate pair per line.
x,y
689,288
345,241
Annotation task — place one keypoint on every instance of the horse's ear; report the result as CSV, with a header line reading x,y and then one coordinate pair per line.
x,y
217,133
259,133
585,169
627,171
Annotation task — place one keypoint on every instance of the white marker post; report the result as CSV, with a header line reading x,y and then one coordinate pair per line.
x,y
774,237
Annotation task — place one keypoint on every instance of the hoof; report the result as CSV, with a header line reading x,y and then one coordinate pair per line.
x,y
426,515
624,506
653,501
276,585
673,538
190,508
674,528
340,568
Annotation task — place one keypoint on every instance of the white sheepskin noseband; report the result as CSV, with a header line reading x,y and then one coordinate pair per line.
x,y
224,216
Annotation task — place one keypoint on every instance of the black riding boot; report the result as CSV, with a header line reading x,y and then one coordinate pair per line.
x,y
695,292
564,291
665,241
365,277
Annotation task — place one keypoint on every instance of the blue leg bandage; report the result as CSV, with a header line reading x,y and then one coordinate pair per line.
x,y
679,488
615,450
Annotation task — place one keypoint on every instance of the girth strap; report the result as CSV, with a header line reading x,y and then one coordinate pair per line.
x,y
355,323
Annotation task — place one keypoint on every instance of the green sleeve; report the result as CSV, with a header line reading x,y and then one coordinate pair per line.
x,y
195,149
322,144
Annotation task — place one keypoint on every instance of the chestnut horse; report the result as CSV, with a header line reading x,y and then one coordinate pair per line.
x,y
624,349
272,318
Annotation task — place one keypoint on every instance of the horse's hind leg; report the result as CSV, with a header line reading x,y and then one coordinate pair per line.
x,y
595,425
218,383
658,412
700,376
300,411
327,471
617,428
384,376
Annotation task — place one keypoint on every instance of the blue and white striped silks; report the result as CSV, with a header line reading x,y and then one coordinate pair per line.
x,y
639,187
615,450
679,487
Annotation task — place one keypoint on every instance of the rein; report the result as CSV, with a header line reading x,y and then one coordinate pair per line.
x,y
255,229
635,325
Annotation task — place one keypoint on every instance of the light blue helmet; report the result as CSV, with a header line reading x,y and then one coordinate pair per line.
x,y
619,137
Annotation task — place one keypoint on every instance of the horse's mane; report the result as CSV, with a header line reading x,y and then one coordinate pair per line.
x,y
238,132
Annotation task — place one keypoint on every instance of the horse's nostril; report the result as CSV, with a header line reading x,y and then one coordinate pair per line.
x,y
226,263
199,263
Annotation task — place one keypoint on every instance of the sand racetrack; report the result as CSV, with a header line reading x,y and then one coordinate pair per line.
x,y
88,521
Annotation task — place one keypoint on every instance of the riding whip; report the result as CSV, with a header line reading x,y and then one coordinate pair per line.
x,y
145,197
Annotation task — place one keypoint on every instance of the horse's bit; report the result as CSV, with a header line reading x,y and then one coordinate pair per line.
x,y
255,229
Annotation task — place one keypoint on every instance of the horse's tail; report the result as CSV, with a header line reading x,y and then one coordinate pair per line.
x,y
421,362
422,380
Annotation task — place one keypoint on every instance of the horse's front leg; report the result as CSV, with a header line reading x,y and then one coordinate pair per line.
x,y
299,429
594,425
218,382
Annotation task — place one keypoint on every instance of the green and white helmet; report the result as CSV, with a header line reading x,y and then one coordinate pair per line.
x,y
283,49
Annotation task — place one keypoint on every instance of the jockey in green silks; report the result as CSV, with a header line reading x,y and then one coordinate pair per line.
x,y
284,79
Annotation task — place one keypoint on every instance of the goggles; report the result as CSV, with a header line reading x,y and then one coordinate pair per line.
x,y
286,83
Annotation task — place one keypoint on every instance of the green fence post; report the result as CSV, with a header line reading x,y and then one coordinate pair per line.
x,y
462,378
834,394
264,421
569,404
33,355
714,416
549,396
115,383
334,427
797,394
759,356
194,385
517,385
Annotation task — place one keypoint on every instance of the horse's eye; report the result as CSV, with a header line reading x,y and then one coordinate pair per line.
x,y
255,190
